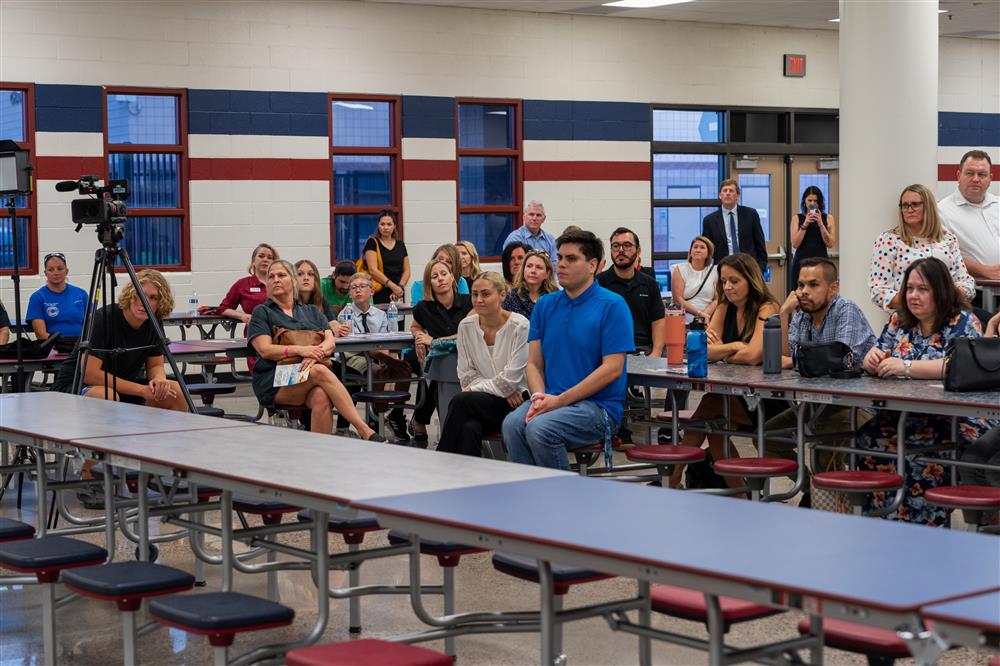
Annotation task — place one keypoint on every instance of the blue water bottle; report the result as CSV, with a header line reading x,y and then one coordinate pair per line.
x,y
697,349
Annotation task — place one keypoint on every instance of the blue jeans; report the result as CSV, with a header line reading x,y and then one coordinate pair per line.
x,y
547,438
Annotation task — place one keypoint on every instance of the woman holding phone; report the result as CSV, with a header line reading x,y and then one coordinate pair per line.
x,y
812,230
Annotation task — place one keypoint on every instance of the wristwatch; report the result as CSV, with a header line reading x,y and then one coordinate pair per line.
x,y
906,368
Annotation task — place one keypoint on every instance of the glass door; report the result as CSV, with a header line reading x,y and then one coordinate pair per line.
x,y
762,187
823,173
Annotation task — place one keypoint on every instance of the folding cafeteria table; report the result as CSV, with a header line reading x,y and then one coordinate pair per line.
x,y
972,622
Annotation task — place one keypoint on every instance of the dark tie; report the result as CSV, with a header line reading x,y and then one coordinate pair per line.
x,y
732,232
364,322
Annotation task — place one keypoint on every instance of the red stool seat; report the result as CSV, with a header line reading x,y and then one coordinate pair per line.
x,y
860,639
755,467
366,652
857,481
665,453
690,605
964,497
590,448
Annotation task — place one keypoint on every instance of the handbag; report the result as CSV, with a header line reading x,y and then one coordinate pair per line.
x,y
362,267
972,364
287,337
821,359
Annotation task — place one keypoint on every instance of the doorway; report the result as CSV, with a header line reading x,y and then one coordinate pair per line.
x,y
762,187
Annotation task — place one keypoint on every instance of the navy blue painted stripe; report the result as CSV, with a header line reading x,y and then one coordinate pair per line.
x,y
61,108
428,117
968,129
586,121
256,112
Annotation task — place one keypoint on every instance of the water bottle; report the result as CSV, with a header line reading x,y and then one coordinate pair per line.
x,y
345,316
767,274
193,303
697,348
392,314
772,345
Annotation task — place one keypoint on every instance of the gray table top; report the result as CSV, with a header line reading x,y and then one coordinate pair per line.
x,y
61,417
640,368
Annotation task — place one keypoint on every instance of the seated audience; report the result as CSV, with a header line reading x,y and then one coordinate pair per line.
x,y
816,312
322,392
135,375
510,260
468,256
530,233
692,284
386,259
932,313
812,231
639,289
57,306
335,287
449,255
735,335
972,213
307,276
249,292
986,449
532,281
919,234
435,317
492,353
4,326
577,344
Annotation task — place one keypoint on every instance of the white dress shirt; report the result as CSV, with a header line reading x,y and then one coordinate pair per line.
x,y
976,225
498,371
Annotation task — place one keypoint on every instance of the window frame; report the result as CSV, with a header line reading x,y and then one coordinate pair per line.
x,y
180,149
31,211
517,152
394,151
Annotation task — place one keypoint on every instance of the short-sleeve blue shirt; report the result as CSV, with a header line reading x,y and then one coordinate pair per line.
x,y
576,334
62,311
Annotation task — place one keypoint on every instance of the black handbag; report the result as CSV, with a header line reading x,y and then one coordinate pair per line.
x,y
972,364
822,359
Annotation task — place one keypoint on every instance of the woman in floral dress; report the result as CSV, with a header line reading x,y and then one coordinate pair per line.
x,y
932,312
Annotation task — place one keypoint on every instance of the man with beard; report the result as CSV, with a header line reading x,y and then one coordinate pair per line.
x,y
640,291
816,312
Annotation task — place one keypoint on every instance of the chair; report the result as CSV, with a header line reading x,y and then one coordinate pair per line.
x,y
381,402
882,647
756,471
974,501
857,484
366,652
665,456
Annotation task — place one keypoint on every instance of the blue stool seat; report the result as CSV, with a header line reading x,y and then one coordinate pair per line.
x,y
563,576
47,556
209,410
127,583
131,476
219,615
269,510
381,396
447,552
12,530
167,482
352,529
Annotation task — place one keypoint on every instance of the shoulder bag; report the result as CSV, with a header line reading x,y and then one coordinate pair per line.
x,y
287,337
972,364
822,359
362,266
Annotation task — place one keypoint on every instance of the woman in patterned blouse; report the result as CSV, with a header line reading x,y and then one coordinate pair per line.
x,y
932,312
532,281
919,234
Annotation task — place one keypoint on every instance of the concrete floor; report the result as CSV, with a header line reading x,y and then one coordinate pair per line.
x,y
89,631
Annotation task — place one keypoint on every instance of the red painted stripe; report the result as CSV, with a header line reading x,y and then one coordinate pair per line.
x,y
206,168
67,168
430,170
587,171
950,172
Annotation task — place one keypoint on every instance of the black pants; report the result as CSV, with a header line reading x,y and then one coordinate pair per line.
x,y
472,414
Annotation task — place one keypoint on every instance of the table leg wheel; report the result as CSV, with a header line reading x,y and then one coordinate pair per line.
x,y
154,553
354,630
200,583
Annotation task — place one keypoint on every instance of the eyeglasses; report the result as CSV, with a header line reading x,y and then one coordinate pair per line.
x,y
360,285
911,206
623,246
537,253
57,255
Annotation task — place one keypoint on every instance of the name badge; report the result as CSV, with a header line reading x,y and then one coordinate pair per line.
x,y
254,290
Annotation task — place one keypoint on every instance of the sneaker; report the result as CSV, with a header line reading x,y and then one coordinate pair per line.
x,y
397,422
419,438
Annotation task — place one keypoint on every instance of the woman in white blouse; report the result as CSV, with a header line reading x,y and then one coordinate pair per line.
x,y
692,284
919,234
492,355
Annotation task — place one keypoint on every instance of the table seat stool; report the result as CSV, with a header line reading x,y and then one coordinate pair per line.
x,y
882,647
127,584
131,476
856,484
353,530
207,392
585,456
381,402
220,616
665,456
270,512
207,410
162,484
973,501
15,530
690,605
366,652
46,558
756,471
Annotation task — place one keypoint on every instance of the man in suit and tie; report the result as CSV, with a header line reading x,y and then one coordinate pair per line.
x,y
735,228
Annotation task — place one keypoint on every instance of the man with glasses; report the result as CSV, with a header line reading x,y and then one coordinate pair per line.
x,y
972,213
531,233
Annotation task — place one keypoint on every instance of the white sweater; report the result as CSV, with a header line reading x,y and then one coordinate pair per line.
x,y
499,372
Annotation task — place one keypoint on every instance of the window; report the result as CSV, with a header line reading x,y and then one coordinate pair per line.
x,y
146,144
17,105
676,125
489,172
364,161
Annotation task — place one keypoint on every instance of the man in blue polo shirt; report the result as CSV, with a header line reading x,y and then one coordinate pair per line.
x,y
576,362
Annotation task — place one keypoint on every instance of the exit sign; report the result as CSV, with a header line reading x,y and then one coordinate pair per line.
x,y
795,65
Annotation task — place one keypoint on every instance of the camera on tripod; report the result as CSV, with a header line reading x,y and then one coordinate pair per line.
x,y
107,205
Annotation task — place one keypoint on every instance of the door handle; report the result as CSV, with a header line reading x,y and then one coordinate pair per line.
x,y
780,256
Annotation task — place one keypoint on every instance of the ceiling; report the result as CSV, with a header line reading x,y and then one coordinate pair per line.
x,y
965,18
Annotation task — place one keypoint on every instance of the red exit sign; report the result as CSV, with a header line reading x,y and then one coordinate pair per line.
x,y
795,65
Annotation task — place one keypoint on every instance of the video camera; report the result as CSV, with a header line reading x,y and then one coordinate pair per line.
x,y
107,205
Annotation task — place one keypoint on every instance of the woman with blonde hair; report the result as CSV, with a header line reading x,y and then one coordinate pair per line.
x,y
918,235
468,257
532,281
136,374
447,253
692,284
307,278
